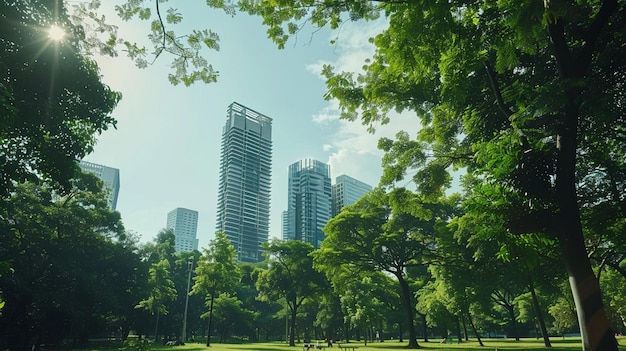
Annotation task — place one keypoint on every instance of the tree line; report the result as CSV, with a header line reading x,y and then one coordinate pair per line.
x,y
392,267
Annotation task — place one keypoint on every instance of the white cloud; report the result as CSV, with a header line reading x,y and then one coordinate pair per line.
x,y
326,115
354,149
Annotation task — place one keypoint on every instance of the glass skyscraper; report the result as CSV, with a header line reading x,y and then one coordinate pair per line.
x,y
347,191
184,222
243,200
309,202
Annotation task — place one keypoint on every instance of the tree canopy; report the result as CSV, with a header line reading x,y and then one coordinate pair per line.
x,y
52,100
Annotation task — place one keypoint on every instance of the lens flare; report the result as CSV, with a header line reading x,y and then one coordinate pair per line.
x,y
56,33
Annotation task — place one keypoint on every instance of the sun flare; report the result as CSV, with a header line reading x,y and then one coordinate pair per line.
x,y
56,33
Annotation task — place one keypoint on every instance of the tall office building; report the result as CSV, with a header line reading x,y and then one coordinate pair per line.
x,y
309,202
110,177
243,200
184,223
347,191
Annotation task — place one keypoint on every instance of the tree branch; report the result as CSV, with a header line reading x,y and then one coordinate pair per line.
x,y
495,87
606,11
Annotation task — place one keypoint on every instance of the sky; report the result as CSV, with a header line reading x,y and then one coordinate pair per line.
x,y
167,141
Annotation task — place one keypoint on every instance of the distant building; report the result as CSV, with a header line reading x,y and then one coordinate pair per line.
x,y
309,201
184,223
110,177
284,217
347,191
243,200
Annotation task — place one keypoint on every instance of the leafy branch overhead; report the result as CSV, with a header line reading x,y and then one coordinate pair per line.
x,y
189,64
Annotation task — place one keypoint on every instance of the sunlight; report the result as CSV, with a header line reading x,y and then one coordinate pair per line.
x,y
56,33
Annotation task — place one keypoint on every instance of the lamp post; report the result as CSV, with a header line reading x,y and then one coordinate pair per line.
x,y
184,333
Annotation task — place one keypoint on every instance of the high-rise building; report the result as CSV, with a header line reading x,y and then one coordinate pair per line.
x,y
184,223
110,177
347,191
309,201
243,200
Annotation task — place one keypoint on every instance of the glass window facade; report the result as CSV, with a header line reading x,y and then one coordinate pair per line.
x,y
243,203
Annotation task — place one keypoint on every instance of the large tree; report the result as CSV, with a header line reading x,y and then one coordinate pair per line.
x,y
52,100
383,232
72,269
290,276
216,273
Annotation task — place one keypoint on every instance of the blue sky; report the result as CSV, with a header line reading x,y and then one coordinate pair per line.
x,y
167,143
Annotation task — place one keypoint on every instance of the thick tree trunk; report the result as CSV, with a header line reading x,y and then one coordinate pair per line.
x,y
594,325
540,320
408,307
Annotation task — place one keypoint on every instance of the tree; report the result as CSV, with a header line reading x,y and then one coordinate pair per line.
x,y
267,319
73,269
230,314
52,100
216,273
387,232
290,276
162,290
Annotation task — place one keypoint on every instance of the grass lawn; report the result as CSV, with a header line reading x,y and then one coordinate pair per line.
x,y
558,344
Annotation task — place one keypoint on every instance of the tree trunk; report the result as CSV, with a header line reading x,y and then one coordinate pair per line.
x,y
156,328
511,309
542,323
408,307
458,330
464,328
594,325
208,334
292,326
471,322
424,327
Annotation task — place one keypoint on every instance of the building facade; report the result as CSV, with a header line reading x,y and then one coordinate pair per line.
x,y
347,191
309,201
243,200
184,223
110,177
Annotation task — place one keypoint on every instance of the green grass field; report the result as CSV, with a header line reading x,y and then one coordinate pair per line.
x,y
569,344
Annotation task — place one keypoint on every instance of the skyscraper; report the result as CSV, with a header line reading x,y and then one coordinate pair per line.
x,y
184,222
309,201
347,191
110,177
243,200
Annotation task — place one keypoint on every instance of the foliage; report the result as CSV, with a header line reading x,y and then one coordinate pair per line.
x,y
188,58
52,100
73,271
289,276
216,273
161,288
389,232
231,316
